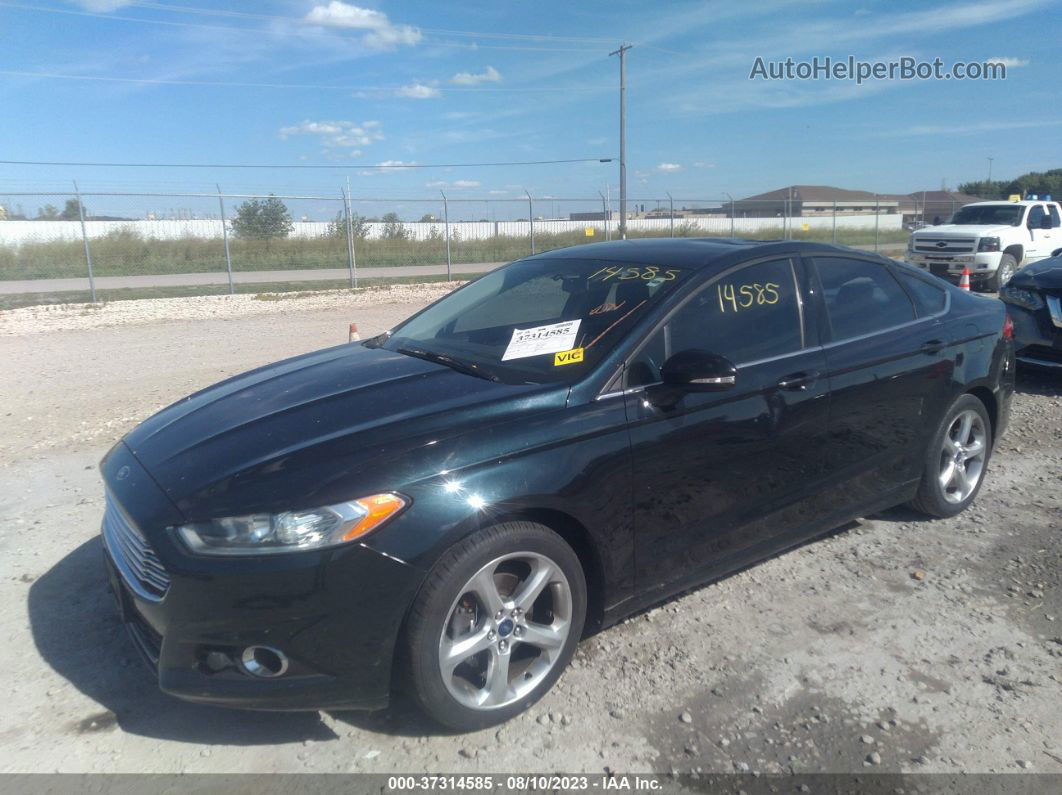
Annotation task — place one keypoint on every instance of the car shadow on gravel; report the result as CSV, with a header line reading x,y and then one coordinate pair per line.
x,y
77,631
1038,382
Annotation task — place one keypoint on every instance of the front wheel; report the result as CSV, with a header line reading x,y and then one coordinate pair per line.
x,y
956,460
495,625
1007,267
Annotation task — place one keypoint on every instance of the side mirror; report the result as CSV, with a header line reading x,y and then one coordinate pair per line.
x,y
699,371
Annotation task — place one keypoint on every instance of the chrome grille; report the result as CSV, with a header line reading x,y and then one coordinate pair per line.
x,y
132,554
952,245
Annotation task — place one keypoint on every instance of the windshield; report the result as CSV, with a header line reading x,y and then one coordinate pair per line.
x,y
990,215
544,320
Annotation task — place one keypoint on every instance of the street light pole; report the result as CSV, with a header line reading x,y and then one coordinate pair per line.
x,y
623,138
990,168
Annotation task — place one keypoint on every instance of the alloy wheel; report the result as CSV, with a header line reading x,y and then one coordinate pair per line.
x,y
505,631
962,457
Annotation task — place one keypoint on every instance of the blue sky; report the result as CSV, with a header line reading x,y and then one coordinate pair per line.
x,y
426,82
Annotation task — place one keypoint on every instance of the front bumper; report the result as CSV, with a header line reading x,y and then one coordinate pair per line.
x,y
1037,338
982,265
334,613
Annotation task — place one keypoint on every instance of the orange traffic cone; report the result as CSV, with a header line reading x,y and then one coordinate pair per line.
x,y
964,282
354,335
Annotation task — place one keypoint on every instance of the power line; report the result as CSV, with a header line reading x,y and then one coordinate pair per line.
x,y
304,165
299,86
289,20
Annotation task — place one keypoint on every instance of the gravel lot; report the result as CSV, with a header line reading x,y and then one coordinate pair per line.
x,y
893,644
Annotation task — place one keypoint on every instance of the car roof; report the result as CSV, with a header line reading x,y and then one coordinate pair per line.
x,y
693,252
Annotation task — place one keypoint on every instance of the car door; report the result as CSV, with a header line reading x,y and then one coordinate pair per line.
x,y
717,474
889,369
1039,238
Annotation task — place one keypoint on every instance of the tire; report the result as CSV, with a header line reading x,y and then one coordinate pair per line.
x,y
1007,267
482,613
956,460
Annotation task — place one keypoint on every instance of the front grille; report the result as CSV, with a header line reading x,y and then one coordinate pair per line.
x,y
132,554
951,245
146,639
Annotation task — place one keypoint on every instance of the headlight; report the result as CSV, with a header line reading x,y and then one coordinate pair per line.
x,y
1025,298
291,531
988,244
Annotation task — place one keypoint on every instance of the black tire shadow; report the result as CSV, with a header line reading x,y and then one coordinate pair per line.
x,y
75,626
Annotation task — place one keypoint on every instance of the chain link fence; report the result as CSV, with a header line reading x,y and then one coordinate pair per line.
x,y
58,246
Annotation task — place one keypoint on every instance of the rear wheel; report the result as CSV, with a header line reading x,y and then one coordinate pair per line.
x,y
1007,267
956,460
495,625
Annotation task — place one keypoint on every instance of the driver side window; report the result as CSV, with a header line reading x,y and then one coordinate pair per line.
x,y
750,314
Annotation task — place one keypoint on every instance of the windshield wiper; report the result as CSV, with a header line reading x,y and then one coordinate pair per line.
x,y
448,361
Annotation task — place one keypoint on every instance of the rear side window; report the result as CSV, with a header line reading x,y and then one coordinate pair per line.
x,y
861,297
1036,215
1055,221
928,299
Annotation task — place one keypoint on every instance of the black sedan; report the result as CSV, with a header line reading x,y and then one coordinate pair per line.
x,y
1034,298
449,507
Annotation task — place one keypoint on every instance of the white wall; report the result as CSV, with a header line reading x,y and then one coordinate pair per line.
x,y
16,232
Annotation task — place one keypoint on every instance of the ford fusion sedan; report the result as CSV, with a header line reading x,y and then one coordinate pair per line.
x,y
447,508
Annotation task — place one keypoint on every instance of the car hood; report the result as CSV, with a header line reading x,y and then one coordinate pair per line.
x,y
313,428
1046,274
962,230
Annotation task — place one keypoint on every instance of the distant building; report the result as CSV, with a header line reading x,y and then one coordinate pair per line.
x,y
811,200
598,216
922,207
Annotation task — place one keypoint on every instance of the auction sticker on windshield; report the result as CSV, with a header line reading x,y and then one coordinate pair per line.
x,y
541,339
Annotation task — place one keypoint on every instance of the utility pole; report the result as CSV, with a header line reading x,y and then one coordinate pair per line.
x,y
623,138
990,168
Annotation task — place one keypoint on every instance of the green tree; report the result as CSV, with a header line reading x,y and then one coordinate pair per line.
x,y
72,211
359,227
48,212
1037,182
393,228
427,218
262,219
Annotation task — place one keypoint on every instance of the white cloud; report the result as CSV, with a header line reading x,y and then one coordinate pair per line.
x,y
336,134
102,6
1010,63
669,168
971,129
498,192
417,91
700,164
396,163
488,75
459,184
380,32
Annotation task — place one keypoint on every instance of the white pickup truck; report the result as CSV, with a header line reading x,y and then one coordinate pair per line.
x,y
992,239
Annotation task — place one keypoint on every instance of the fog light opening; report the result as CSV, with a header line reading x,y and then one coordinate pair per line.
x,y
264,662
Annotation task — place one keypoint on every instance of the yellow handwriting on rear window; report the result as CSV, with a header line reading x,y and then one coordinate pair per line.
x,y
568,357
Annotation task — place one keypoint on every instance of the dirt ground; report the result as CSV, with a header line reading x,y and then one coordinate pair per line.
x,y
894,644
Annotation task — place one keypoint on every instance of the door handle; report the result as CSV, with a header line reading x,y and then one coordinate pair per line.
x,y
933,346
798,381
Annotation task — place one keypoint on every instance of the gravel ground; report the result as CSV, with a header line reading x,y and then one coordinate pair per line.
x,y
893,644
